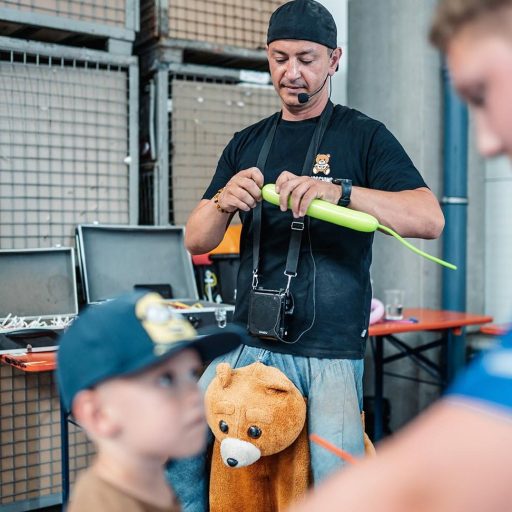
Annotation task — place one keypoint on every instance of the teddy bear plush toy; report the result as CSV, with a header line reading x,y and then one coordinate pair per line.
x,y
260,459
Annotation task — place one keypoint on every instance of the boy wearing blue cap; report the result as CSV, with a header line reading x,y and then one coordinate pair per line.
x,y
128,372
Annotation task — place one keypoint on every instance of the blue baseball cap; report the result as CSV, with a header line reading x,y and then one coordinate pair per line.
x,y
129,334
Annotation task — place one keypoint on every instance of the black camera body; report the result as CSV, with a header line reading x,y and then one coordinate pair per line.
x,y
268,312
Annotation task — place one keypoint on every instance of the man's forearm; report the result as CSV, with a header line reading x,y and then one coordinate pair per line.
x,y
411,213
205,227
208,222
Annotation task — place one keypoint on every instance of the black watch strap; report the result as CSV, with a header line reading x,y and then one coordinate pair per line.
x,y
346,190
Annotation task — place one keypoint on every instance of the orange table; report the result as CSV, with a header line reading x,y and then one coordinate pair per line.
x,y
32,362
449,324
495,329
45,362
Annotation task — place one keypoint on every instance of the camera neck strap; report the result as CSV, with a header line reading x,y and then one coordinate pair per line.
x,y
297,225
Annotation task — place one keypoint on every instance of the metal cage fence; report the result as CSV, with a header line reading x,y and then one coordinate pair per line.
x,y
240,23
196,110
206,112
30,465
118,19
68,142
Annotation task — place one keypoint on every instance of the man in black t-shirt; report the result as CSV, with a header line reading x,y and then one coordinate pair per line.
x,y
359,164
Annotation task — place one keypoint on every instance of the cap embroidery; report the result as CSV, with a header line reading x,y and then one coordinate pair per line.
x,y
164,326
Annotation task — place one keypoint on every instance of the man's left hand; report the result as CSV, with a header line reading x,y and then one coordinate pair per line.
x,y
301,190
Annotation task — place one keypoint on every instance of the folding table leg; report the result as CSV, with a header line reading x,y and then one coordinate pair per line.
x,y
379,385
64,453
455,354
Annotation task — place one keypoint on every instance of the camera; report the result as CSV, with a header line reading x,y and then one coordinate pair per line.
x,y
268,313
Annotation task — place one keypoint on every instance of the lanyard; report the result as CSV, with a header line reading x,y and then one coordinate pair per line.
x,y
297,225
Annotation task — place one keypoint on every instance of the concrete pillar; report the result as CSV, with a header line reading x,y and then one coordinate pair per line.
x,y
394,76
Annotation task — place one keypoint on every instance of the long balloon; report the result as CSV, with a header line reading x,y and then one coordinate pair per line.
x,y
348,218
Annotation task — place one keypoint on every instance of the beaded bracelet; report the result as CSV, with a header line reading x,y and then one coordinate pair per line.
x,y
216,201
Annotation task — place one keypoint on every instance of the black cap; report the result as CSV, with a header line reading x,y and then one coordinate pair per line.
x,y
306,20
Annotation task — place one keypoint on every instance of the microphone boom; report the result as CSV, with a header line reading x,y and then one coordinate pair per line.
x,y
304,97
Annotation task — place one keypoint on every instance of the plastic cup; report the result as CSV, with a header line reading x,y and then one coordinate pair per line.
x,y
394,304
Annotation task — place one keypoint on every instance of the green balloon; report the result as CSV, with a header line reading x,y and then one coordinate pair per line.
x,y
328,212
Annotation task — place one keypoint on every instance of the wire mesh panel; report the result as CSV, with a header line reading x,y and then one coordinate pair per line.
x,y
110,12
241,23
204,117
30,462
65,155
110,18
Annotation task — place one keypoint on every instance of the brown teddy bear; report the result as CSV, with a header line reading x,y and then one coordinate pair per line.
x,y
260,459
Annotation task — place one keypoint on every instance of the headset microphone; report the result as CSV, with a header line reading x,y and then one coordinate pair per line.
x,y
304,97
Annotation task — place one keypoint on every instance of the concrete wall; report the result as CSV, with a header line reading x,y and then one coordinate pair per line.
x,y
394,76
477,232
339,10
498,244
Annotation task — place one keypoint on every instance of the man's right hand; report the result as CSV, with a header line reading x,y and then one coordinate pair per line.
x,y
242,191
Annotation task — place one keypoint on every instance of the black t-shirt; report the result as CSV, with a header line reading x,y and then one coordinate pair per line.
x,y
332,290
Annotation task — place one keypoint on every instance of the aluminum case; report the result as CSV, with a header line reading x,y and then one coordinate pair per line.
x,y
115,259
36,284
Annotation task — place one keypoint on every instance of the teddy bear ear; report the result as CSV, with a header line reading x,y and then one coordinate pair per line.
x,y
224,374
273,379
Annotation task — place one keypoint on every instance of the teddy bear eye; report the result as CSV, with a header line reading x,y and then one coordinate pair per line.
x,y
223,426
254,432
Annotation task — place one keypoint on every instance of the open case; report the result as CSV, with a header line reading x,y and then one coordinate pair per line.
x,y
38,297
118,259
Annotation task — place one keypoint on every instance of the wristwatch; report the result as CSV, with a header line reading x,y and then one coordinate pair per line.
x,y
346,190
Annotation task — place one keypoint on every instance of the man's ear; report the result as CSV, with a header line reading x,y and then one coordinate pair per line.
x,y
91,413
335,60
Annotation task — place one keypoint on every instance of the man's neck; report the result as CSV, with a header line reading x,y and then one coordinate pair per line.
x,y
313,108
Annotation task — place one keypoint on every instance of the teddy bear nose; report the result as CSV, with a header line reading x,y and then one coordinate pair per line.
x,y
232,462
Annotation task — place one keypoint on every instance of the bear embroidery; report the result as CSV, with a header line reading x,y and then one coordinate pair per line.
x,y
322,164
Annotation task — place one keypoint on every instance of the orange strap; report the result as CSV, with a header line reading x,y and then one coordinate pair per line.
x,y
342,454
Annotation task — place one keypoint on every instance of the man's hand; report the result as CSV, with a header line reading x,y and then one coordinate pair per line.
x,y
302,190
242,191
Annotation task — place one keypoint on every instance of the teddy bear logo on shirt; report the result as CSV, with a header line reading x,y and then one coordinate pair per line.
x,y
322,164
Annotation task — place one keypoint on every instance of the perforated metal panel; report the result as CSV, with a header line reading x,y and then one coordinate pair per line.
x,y
68,143
205,115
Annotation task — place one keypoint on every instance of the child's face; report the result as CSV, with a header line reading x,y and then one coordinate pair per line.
x,y
159,412
480,63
